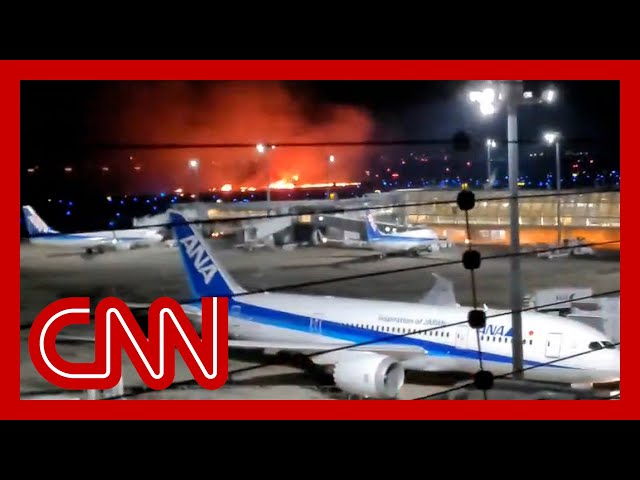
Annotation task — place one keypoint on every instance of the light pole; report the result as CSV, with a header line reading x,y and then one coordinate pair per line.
x,y
193,165
332,159
512,94
551,138
261,148
490,144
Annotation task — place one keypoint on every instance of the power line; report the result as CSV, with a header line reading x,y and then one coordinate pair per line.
x,y
461,141
333,211
358,276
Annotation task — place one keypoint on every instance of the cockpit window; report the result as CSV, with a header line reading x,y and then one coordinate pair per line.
x,y
601,345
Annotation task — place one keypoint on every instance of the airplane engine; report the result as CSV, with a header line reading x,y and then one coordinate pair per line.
x,y
370,375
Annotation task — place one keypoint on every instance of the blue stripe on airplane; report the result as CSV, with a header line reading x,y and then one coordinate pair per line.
x,y
80,237
393,238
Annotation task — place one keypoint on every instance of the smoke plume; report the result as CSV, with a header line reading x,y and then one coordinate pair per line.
x,y
227,112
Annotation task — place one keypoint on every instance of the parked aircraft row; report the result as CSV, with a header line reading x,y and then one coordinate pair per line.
x,y
310,324
410,242
304,324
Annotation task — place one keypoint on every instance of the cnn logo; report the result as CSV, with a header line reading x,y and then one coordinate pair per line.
x,y
116,330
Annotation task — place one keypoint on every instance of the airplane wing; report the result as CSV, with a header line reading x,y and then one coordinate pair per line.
x,y
400,352
441,294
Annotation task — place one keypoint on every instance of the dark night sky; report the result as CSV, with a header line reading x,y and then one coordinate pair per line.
x,y
58,114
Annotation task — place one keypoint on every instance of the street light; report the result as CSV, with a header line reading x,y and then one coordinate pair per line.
x,y
554,138
489,100
549,95
490,144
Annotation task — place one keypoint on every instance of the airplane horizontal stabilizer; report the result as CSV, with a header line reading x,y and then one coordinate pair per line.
x,y
441,294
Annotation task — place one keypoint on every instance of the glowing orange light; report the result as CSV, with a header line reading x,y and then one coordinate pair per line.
x,y
282,184
226,187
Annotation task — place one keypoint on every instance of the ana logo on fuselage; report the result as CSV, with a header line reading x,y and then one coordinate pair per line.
x,y
497,330
201,259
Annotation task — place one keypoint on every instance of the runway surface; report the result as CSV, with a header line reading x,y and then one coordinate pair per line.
x,y
145,274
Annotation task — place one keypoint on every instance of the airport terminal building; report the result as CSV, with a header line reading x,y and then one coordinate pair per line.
x,y
592,216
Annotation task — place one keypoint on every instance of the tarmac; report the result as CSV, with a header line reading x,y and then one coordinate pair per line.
x,y
142,275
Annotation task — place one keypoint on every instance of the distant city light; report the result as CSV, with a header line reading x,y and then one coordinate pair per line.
x,y
226,187
332,158
193,163
260,147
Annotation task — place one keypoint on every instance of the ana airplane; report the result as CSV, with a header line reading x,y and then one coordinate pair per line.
x,y
93,242
309,325
409,241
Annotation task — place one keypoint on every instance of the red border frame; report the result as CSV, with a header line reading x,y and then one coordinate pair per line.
x,y
13,71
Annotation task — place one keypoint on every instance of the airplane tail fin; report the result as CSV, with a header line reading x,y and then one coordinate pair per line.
x,y
35,225
207,277
372,227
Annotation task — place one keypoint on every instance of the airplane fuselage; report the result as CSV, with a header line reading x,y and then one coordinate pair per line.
x,y
102,238
395,243
327,320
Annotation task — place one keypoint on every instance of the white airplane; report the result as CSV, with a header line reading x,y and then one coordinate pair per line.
x,y
92,242
310,324
409,241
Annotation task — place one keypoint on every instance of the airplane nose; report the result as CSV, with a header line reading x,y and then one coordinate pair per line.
x,y
616,361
